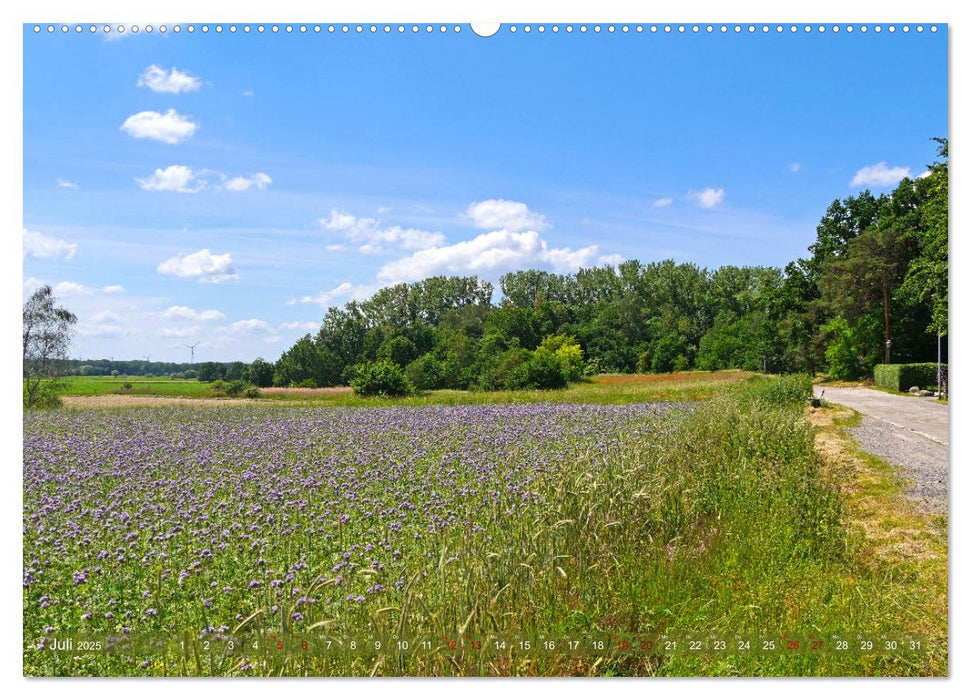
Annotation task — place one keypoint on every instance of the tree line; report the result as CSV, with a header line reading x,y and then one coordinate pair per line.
x,y
875,277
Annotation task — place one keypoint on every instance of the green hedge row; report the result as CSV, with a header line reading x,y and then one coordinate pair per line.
x,y
902,377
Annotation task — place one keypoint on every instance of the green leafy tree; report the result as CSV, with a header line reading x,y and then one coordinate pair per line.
x,y
381,378
259,372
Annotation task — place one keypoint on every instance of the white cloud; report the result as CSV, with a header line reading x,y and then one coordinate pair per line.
x,y
100,330
247,93
174,81
113,289
202,265
240,184
300,326
795,167
183,332
272,339
67,184
182,178
335,247
184,313
175,178
345,290
103,316
250,325
663,202
708,197
370,237
37,245
488,253
503,214
614,259
926,173
170,127
71,289
324,298
879,175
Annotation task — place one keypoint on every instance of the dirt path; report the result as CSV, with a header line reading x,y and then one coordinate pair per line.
x,y
909,432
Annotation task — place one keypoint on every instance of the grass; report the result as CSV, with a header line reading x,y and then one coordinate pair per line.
x,y
140,386
603,389
737,517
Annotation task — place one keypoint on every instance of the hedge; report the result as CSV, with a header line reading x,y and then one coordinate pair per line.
x,y
902,377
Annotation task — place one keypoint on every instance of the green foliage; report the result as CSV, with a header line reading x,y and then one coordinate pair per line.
x,y
45,396
211,371
541,371
252,392
381,378
236,387
853,348
902,377
399,349
567,350
425,373
306,384
259,372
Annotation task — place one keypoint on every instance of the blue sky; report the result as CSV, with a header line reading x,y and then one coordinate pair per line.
x,y
227,188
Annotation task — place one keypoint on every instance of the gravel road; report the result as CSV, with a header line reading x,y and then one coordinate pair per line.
x,y
908,431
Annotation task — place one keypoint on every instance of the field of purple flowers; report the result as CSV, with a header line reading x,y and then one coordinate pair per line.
x,y
211,528
162,520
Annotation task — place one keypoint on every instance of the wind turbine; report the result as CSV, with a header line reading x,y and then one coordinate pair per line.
x,y
192,352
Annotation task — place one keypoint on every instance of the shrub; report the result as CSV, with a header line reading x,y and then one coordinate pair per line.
x,y
45,396
902,377
218,388
425,373
306,384
542,371
496,375
381,378
236,387
252,392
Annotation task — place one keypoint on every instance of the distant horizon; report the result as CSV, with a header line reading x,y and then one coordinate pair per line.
x,y
192,193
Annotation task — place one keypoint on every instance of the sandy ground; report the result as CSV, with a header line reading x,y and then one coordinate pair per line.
x,y
120,401
907,431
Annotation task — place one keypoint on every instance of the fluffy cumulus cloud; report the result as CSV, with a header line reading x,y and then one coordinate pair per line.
x,y
72,289
250,325
37,245
75,289
506,215
300,326
170,127
182,178
173,81
879,175
240,184
345,290
371,237
175,178
202,265
488,254
707,198
184,313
